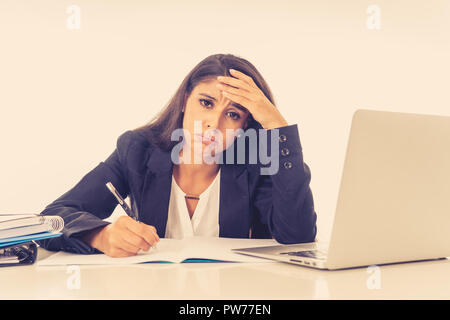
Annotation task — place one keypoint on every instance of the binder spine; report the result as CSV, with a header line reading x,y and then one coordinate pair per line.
x,y
18,254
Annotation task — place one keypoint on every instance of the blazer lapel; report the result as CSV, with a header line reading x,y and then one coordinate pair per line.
x,y
234,215
156,190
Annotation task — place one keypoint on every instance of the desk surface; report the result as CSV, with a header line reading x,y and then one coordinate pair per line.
x,y
415,280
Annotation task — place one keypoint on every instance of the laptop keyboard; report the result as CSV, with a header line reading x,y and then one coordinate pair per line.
x,y
316,254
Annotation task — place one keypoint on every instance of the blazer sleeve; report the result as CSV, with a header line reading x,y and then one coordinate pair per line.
x,y
84,207
283,201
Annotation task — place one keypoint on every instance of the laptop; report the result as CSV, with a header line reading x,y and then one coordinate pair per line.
x,y
394,199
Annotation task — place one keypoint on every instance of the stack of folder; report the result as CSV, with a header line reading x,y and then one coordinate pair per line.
x,y
18,233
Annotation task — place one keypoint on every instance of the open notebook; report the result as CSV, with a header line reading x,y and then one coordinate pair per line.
x,y
192,249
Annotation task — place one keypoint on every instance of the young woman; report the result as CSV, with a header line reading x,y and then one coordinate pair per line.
x,y
222,99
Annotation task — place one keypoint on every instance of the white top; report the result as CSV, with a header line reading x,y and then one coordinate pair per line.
x,y
205,220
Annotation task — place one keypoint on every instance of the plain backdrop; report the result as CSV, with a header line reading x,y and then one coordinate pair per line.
x,y
67,93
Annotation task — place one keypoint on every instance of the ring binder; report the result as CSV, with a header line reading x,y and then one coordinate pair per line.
x,y
18,254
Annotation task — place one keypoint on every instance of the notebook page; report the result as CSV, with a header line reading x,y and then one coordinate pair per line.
x,y
169,250
217,248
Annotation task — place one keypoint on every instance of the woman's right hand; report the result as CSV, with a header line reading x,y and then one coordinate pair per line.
x,y
123,238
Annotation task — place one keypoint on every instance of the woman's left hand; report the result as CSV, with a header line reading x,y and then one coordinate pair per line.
x,y
243,90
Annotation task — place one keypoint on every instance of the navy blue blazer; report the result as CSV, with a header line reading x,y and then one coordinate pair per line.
x,y
279,206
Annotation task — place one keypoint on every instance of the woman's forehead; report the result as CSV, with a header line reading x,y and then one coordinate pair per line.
x,y
208,89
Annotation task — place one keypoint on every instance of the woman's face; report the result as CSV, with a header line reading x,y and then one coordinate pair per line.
x,y
210,114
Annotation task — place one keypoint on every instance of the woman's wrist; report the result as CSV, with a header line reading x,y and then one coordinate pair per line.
x,y
275,125
93,237
276,121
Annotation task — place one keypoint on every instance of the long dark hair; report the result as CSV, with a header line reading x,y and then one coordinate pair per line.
x,y
160,128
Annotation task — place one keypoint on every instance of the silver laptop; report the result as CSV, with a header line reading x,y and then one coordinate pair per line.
x,y
394,198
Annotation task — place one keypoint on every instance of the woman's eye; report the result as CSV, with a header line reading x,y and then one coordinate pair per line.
x,y
205,103
234,115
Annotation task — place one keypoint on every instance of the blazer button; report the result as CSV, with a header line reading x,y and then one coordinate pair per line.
x,y
285,152
287,164
282,138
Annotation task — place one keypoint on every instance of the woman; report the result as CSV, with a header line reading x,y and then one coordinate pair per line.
x,y
221,100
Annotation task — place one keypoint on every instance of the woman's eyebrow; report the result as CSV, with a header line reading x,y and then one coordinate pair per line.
x,y
204,94
236,105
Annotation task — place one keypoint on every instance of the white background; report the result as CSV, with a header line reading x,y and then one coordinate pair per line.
x,y
66,95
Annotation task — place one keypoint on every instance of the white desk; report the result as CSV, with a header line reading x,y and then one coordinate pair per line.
x,y
417,280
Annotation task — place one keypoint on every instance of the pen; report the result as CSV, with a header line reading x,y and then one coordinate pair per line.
x,y
124,205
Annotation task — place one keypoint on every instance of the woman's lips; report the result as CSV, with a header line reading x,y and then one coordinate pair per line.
x,y
205,140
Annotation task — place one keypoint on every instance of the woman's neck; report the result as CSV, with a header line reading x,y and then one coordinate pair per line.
x,y
195,170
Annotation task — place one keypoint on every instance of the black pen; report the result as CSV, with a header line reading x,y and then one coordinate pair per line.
x,y
124,205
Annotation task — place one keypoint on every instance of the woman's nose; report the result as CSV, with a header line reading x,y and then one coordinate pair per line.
x,y
213,122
